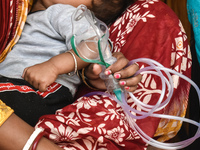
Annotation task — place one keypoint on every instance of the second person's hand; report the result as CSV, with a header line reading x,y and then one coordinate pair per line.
x,y
119,69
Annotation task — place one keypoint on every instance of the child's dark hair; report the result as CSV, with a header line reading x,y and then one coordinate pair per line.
x,y
109,10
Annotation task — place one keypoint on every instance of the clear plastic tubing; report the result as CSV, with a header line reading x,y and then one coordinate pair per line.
x,y
155,68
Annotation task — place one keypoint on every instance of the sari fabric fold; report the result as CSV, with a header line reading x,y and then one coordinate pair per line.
x,y
8,22
12,18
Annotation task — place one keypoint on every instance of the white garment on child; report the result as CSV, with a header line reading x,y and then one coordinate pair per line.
x,y
46,34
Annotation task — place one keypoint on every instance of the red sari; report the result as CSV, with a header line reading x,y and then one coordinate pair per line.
x,y
148,29
8,22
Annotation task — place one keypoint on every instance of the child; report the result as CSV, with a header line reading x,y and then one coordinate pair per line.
x,y
43,43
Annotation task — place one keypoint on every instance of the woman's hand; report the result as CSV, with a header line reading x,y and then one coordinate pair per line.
x,y
40,75
124,75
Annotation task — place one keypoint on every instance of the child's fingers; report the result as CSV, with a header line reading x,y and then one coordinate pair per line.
x,y
24,72
42,87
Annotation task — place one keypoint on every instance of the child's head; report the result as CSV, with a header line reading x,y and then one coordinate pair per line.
x,y
105,10
109,10
43,4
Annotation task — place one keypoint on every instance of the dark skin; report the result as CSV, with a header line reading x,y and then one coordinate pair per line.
x,y
44,74
16,131
130,84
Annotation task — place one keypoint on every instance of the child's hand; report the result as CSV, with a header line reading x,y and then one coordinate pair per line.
x,y
124,75
40,75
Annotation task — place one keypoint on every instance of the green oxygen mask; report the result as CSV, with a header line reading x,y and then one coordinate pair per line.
x,y
91,43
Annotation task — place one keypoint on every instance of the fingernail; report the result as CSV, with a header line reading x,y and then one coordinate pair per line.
x,y
122,83
108,72
117,76
127,87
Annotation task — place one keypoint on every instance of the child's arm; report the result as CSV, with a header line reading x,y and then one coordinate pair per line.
x,y
44,74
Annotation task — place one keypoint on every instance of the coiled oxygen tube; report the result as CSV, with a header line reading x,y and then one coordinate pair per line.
x,y
97,33
156,66
150,110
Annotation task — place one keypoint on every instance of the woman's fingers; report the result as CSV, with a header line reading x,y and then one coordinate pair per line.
x,y
92,74
119,64
131,84
127,77
93,71
127,72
